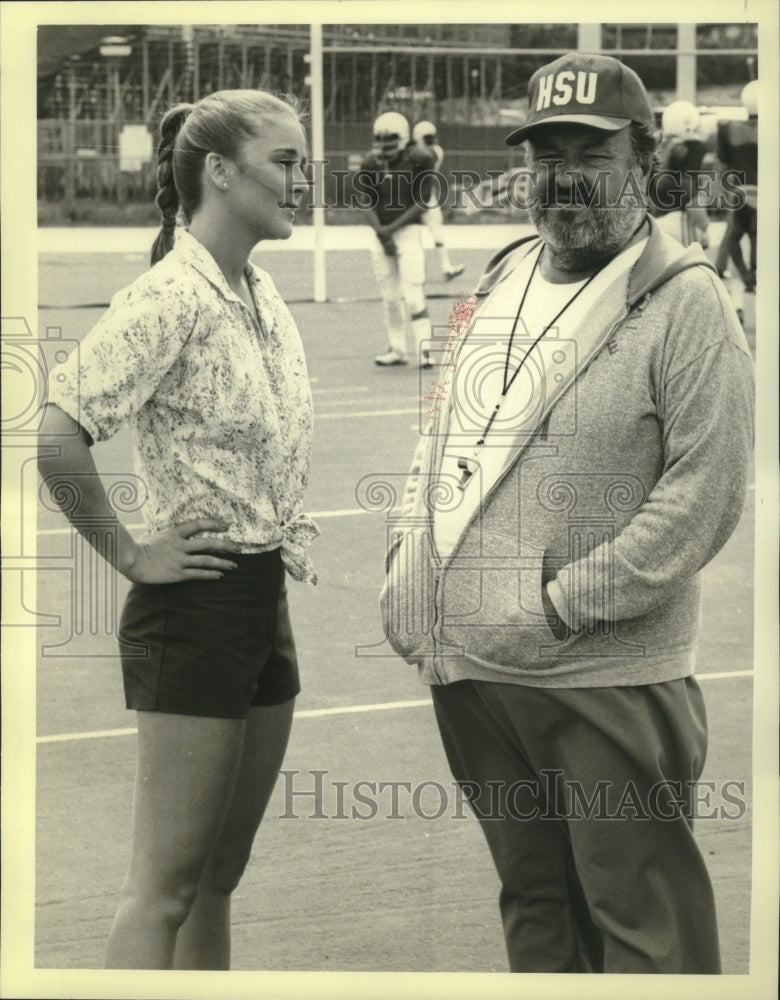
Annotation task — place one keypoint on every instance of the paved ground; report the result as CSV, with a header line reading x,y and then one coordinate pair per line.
x,y
404,889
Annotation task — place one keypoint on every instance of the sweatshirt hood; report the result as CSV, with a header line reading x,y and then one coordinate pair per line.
x,y
662,258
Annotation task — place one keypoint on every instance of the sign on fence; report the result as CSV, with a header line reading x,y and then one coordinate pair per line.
x,y
135,147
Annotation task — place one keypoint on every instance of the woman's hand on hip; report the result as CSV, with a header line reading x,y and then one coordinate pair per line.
x,y
177,554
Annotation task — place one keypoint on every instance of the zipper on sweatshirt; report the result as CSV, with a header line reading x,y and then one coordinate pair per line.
x,y
540,441
434,623
443,563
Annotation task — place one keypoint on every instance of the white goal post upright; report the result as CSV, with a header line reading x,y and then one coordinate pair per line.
x,y
318,156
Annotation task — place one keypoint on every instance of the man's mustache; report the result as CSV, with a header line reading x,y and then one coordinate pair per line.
x,y
575,196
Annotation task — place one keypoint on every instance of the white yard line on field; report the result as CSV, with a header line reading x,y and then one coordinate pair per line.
x,y
724,675
310,713
345,512
318,713
138,239
339,389
368,413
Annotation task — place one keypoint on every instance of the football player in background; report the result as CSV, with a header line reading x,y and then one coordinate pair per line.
x,y
394,183
676,207
424,135
737,149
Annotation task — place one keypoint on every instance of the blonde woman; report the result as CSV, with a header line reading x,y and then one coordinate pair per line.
x,y
201,358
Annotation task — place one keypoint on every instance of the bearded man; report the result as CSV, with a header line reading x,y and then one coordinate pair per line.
x,y
591,459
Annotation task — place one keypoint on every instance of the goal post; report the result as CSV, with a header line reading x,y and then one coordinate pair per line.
x,y
318,155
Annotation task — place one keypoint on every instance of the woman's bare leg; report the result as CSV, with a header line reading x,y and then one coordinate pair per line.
x,y
204,940
187,767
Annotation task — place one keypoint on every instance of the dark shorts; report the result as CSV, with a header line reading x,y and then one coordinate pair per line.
x,y
210,647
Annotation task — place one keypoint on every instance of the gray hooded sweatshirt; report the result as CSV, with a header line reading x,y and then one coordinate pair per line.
x,y
632,481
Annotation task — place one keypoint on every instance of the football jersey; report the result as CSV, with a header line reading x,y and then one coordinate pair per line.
x,y
738,147
394,186
675,190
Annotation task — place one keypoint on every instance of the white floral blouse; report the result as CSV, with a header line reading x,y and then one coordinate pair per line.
x,y
220,407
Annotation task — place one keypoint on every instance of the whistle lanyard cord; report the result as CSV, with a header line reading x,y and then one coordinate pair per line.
x,y
507,385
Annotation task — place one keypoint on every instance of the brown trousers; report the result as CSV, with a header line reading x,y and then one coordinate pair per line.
x,y
587,797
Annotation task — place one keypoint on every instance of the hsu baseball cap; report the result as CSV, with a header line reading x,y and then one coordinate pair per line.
x,y
590,90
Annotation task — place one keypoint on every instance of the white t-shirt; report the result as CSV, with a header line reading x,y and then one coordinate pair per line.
x,y
481,368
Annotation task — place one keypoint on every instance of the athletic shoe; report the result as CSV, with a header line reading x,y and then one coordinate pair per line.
x,y
453,272
390,357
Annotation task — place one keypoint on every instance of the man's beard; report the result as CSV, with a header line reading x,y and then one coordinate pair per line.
x,y
585,237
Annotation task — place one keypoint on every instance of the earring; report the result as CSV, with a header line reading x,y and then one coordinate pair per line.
x,y
224,185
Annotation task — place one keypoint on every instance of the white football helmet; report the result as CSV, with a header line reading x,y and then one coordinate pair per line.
x,y
681,121
749,97
391,135
424,133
